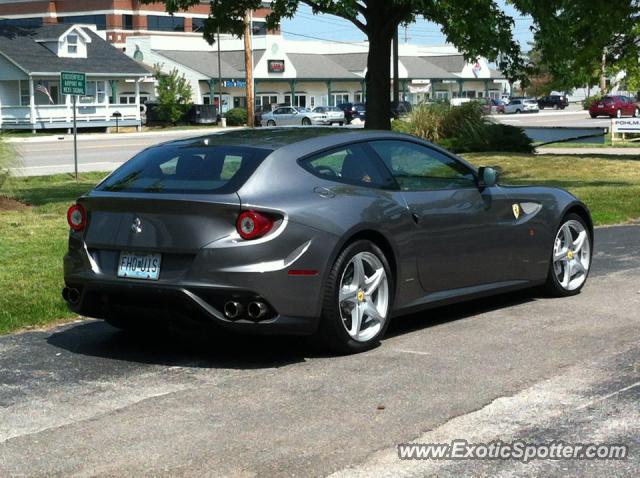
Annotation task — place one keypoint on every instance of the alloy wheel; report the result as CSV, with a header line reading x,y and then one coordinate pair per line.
x,y
363,299
571,255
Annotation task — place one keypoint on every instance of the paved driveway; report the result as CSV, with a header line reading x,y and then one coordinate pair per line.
x,y
84,399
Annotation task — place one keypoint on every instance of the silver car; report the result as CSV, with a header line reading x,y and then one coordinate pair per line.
x,y
520,105
334,114
293,116
325,231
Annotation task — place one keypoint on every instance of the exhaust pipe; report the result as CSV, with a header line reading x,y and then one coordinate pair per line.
x,y
257,310
233,309
71,295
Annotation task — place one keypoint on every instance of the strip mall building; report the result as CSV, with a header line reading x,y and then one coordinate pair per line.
x,y
303,73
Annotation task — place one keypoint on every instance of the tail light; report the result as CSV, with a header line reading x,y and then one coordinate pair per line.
x,y
77,217
252,225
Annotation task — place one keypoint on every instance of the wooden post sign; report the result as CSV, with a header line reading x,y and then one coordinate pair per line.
x,y
624,126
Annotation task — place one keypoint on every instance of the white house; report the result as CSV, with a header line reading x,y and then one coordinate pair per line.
x,y
31,60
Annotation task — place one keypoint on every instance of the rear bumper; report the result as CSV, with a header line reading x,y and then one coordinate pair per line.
x,y
201,283
180,303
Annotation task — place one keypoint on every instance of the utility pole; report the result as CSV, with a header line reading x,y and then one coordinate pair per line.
x,y
248,61
219,78
396,76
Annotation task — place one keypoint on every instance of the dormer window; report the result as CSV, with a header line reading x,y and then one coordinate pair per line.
x,y
72,44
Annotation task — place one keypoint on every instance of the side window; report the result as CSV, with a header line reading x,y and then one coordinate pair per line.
x,y
418,168
351,164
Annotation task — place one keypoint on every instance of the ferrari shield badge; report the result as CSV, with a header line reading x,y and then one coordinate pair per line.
x,y
516,210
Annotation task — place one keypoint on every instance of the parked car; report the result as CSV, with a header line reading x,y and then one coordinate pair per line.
x,y
326,231
492,106
334,114
292,116
257,114
400,109
353,111
614,107
517,105
557,102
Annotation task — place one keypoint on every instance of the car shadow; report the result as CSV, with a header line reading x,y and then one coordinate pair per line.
x,y
182,348
463,310
215,348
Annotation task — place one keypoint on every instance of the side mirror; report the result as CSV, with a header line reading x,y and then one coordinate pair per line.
x,y
487,177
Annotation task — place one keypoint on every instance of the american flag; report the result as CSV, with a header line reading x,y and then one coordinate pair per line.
x,y
43,89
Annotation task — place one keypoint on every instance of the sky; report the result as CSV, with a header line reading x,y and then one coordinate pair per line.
x,y
306,25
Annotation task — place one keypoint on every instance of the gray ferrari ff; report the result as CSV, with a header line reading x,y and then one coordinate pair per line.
x,y
312,231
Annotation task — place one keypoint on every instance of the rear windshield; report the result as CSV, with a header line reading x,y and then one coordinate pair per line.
x,y
186,169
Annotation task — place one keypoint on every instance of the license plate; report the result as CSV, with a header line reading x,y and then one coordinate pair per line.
x,y
139,266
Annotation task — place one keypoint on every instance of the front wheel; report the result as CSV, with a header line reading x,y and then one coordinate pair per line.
x,y
593,116
306,122
570,258
271,123
518,112
358,299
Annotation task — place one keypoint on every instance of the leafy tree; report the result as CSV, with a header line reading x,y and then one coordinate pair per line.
x,y
475,27
580,40
174,95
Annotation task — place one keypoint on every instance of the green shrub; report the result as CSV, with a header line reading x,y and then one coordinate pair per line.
x,y
463,129
236,117
589,100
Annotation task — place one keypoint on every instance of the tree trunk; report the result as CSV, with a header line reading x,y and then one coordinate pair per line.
x,y
603,74
378,80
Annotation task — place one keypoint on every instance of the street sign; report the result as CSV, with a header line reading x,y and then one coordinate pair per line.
x,y
73,83
625,125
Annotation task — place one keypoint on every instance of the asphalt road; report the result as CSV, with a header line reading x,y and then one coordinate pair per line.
x,y
101,152
572,117
84,399
96,152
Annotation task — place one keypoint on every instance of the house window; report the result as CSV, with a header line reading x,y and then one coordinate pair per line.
x,y
100,21
72,44
339,98
266,100
127,22
358,97
96,93
300,101
24,93
165,24
197,24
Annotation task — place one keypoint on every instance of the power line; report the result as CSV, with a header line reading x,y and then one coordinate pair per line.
x,y
322,39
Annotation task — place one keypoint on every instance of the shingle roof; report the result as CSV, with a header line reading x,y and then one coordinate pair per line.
x,y
206,62
450,63
20,45
319,67
421,68
355,62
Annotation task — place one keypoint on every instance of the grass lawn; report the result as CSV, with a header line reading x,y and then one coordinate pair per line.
x,y
34,238
608,185
32,243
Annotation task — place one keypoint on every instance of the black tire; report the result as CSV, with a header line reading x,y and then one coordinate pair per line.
x,y
306,122
341,123
636,113
552,287
271,123
518,111
593,116
331,332
541,107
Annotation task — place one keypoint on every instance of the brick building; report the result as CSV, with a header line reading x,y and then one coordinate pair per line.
x,y
119,19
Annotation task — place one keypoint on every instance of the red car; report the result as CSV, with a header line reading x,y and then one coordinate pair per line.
x,y
614,107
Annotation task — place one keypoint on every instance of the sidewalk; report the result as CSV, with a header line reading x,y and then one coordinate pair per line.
x,y
44,138
591,151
